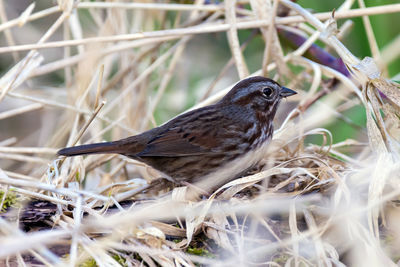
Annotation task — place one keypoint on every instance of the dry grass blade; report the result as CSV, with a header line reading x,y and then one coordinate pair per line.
x,y
234,39
18,111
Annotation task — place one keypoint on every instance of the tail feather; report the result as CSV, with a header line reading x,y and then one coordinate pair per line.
x,y
98,148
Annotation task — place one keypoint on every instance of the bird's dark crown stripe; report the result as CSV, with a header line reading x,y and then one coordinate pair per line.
x,y
255,79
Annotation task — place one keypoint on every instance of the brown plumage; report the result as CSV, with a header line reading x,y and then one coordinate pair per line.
x,y
221,139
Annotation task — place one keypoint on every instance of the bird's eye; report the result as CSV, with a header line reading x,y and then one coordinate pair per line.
x,y
268,92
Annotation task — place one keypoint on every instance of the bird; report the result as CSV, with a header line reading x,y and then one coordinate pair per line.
x,y
218,141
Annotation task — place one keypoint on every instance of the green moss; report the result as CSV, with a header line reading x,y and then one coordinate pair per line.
x,y
77,177
176,241
120,260
10,200
200,252
91,262
281,259
88,263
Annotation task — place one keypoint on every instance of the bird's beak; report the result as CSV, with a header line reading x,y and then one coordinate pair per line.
x,y
285,92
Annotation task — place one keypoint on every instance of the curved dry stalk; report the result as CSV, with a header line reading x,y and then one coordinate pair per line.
x,y
206,29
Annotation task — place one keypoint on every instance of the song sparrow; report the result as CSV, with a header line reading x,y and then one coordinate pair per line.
x,y
220,140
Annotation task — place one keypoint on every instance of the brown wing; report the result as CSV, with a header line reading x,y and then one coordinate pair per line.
x,y
175,142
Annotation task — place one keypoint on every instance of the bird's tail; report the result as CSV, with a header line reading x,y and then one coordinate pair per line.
x,y
98,148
